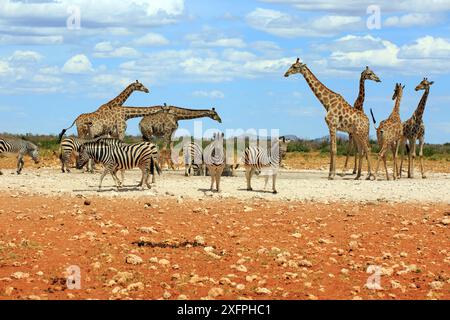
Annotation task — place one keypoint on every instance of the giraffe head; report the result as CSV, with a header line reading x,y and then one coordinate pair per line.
x,y
297,67
215,116
368,74
425,84
137,86
398,93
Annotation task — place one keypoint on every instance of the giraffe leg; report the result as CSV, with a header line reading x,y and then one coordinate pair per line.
x,y
412,156
333,152
385,166
355,166
349,150
394,148
402,145
366,150
381,156
421,144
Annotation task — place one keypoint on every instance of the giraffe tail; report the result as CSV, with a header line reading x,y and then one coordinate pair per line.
x,y
373,117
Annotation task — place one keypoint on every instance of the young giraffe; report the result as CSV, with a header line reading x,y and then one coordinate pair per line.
x,y
367,74
340,116
390,132
91,125
414,129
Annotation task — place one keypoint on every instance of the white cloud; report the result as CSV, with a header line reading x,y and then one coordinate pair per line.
x,y
5,69
105,46
204,40
151,40
78,64
237,55
289,26
426,55
26,56
427,47
412,20
107,50
30,40
215,94
359,6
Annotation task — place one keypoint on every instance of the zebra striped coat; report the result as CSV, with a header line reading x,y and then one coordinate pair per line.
x,y
21,148
258,159
215,160
71,145
126,157
193,159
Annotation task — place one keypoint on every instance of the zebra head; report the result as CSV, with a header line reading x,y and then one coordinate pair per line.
x,y
33,152
83,157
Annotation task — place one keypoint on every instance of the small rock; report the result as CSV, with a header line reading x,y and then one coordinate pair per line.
x,y
20,275
436,285
215,292
134,259
138,286
263,291
87,202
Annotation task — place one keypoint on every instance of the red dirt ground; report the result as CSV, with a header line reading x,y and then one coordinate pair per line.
x,y
257,250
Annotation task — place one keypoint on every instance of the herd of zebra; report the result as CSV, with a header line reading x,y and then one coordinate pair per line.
x,y
116,156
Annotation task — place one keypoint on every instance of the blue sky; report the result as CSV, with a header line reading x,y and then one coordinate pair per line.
x,y
225,54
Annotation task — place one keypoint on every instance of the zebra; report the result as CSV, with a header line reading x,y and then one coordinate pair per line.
x,y
22,148
214,158
72,145
114,158
258,160
193,159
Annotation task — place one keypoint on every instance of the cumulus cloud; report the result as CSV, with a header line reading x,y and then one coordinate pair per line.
x,y
289,26
411,20
78,64
205,40
26,56
425,55
214,94
151,40
358,6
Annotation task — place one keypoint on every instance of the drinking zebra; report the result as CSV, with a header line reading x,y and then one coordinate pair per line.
x,y
20,147
126,157
193,159
214,158
258,159
71,145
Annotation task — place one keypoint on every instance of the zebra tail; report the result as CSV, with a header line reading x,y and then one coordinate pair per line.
x,y
61,135
158,168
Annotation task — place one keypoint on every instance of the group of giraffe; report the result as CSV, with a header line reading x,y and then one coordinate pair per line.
x,y
158,121
391,133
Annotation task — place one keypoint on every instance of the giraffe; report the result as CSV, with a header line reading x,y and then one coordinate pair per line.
x,y
390,133
100,122
164,124
340,116
414,129
367,74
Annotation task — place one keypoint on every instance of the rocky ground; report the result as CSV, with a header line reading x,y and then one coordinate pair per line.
x,y
316,239
160,248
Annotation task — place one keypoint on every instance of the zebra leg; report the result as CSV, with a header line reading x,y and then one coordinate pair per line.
x,y
20,163
102,177
187,171
248,177
274,181
219,176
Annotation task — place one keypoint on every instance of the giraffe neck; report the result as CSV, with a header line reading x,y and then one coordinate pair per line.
x,y
138,112
359,103
421,107
396,112
122,97
319,89
189,114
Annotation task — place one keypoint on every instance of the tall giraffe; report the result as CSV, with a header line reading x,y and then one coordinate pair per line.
x,y
367,74
390,133
340,116
164,124
414,129
91,125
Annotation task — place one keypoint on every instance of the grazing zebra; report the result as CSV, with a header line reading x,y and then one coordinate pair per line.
x,y
193,159
257,159
22,148
72,145
114,158
214,158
